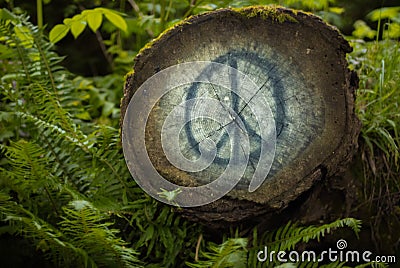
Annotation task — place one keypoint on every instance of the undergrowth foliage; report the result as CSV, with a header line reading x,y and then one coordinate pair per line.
x,y
65,188
64,182
236,252
378,98
50,164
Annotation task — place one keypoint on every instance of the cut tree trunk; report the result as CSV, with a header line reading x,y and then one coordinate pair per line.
x,y
299,65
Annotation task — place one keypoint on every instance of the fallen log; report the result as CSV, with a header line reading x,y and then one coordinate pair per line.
x,y
264,86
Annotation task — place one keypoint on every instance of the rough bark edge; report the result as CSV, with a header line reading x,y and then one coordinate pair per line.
x,y
228,210
217,216
275,13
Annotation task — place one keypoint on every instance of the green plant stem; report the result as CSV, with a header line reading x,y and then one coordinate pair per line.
x,y
39,10
169,8
140,15
52,201
103,48
162,14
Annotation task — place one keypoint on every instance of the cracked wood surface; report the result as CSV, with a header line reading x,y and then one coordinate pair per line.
x,y
300,68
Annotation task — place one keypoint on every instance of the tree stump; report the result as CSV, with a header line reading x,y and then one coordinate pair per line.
x,y
301,85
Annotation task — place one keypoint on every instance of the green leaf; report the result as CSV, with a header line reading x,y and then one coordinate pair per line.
x,y
67,21
23,33
115,19
5,14
58,32
363,30
384,13
94,20
84,116
393,30
77,27
337,10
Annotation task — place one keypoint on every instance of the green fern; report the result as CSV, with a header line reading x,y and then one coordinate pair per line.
x,y
231,253
336,264
48,239
288,236
87,227
53,156
65,185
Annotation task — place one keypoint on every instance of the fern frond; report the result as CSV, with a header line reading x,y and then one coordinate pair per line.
x,y
41,81
287,265
336,264
286,237
61,157
373,265
83,143
231,253
93,164
46,237
27,172
87,228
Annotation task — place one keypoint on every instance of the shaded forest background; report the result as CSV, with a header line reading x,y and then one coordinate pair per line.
x,y
66,196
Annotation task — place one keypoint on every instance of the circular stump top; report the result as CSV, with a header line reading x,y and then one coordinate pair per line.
x,y
297,114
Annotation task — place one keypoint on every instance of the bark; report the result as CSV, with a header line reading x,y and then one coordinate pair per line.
x,y
299,63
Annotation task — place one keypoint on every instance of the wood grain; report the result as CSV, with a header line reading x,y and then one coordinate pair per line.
x,y
299,65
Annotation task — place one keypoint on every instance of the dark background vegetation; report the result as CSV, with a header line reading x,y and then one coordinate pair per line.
x,y
95,63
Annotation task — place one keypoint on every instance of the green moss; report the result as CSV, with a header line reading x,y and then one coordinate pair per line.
x,y
274,13
155,40
129,74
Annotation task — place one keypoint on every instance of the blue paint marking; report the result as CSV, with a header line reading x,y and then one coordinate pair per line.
x,y
274,79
